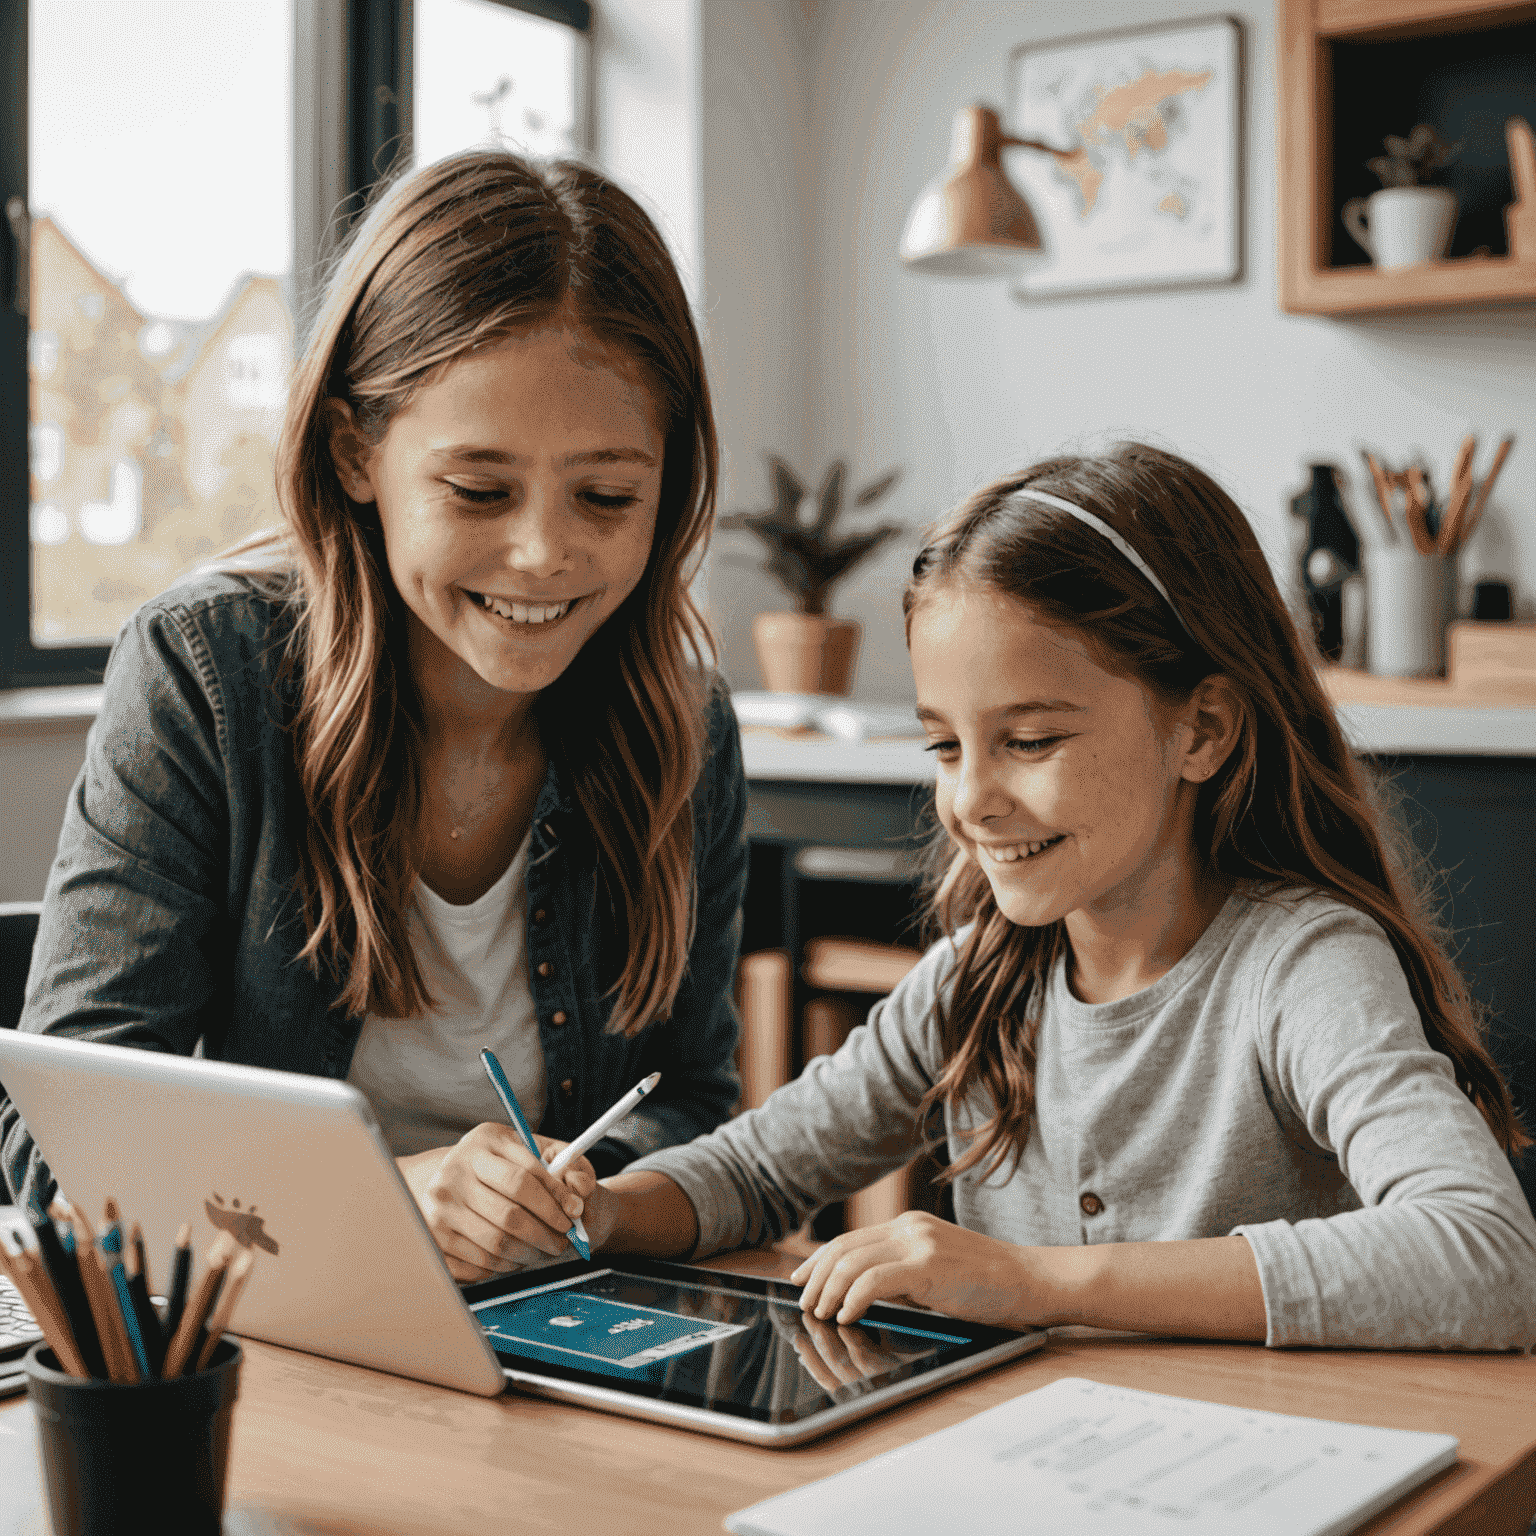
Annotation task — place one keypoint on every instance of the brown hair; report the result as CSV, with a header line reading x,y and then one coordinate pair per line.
x,y
459,254
1290,807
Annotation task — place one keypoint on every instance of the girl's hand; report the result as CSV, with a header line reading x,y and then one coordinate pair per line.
x,y
491,1206
917,1258
839,1357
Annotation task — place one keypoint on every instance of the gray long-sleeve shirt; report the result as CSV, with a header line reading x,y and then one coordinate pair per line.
x,y
1275,1083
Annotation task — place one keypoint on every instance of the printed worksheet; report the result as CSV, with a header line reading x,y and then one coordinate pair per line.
x,y
1088,1458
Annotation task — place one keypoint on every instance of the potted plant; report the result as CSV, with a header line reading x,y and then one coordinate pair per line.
x,y
1407,221
807,650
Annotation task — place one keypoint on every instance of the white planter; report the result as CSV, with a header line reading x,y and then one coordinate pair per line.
x,y
1402,226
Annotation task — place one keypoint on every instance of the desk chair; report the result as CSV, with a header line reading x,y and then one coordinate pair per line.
x,y
18,928
838,980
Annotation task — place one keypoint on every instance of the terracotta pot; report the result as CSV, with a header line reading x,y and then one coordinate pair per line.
x,y
806,652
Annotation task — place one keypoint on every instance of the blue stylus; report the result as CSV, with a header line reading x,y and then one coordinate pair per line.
x,y
519,1120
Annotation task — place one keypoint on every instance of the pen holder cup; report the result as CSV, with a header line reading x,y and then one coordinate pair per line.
x,y
147,1456
1409,600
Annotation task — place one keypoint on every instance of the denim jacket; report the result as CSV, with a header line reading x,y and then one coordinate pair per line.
x,y
172,920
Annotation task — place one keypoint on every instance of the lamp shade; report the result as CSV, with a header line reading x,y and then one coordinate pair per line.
x,y
971,221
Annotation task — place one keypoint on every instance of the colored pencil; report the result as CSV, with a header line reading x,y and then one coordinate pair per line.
x,y
180,1350
147,1318
493,1070
110,1248
62,1262
98,1294
239,1273
28,1274
181,1273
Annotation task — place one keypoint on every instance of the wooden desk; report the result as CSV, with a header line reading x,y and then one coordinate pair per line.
x,y
327,1448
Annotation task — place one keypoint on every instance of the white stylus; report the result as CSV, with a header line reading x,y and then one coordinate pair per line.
x,y
595,1132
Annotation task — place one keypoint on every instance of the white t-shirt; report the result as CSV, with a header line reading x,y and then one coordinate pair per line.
x,y
423,1076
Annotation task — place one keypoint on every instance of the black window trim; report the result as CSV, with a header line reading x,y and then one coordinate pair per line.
x,y
376,83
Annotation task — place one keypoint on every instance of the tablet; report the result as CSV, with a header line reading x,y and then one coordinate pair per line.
x,y
730,1354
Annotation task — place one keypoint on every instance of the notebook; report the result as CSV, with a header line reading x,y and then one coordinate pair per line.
x,y
1084,1457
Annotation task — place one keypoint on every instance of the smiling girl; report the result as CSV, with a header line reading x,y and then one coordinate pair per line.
x,y
437,769
1202,1065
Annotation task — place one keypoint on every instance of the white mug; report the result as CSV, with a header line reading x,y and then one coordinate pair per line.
x,y
1409,600
1401,226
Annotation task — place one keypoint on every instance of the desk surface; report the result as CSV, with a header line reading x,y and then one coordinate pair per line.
x,y
327,1448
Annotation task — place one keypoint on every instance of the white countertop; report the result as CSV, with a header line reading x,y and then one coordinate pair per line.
x,y
1378,729
1430,729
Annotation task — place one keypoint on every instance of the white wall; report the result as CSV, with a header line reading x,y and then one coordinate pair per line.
x,y
959,381
38,763
646,58
757,157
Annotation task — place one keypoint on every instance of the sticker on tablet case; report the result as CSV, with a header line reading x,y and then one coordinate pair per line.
x,y
597,1328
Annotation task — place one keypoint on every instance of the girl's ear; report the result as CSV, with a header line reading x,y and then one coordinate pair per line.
x,y
1214,716
351,452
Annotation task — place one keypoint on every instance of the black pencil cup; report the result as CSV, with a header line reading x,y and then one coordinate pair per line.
x,y
151,1456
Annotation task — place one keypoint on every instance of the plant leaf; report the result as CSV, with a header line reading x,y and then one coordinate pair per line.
x,y
788,492
877,488
829,499
837,560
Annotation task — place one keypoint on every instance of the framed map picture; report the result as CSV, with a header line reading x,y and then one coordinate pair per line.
x,y
1151,196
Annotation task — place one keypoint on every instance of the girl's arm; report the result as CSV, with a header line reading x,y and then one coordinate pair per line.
x,y
1202,1288
1442,1253
844,1122
640,1212
125,951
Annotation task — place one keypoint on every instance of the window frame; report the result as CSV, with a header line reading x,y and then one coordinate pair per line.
x,y
332,172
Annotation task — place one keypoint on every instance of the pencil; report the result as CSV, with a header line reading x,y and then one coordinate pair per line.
x,y
239,1272
143,1309
30,1278
125,1323
137,1239
59,1256
179,1351
110,1250
98,1295
1475,512
181,1273
577,1236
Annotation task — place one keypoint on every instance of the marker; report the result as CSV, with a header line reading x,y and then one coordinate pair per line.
x,y
578,1233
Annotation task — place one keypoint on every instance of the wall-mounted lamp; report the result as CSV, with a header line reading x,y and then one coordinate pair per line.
x,y
972,221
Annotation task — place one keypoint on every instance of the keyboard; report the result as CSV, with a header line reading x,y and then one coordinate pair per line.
x,y
17,1329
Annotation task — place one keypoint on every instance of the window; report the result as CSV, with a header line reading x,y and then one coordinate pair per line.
x,y
148,169
491,73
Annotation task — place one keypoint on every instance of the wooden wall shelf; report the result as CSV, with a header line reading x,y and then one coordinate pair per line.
x,y
1319,38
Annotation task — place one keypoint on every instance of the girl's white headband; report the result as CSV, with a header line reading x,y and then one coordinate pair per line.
x,y
1100,526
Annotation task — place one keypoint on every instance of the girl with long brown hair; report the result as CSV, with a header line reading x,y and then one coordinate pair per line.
x,y
439,766
1203,1066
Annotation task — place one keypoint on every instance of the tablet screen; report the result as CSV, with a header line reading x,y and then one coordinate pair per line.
x,y
733,1343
